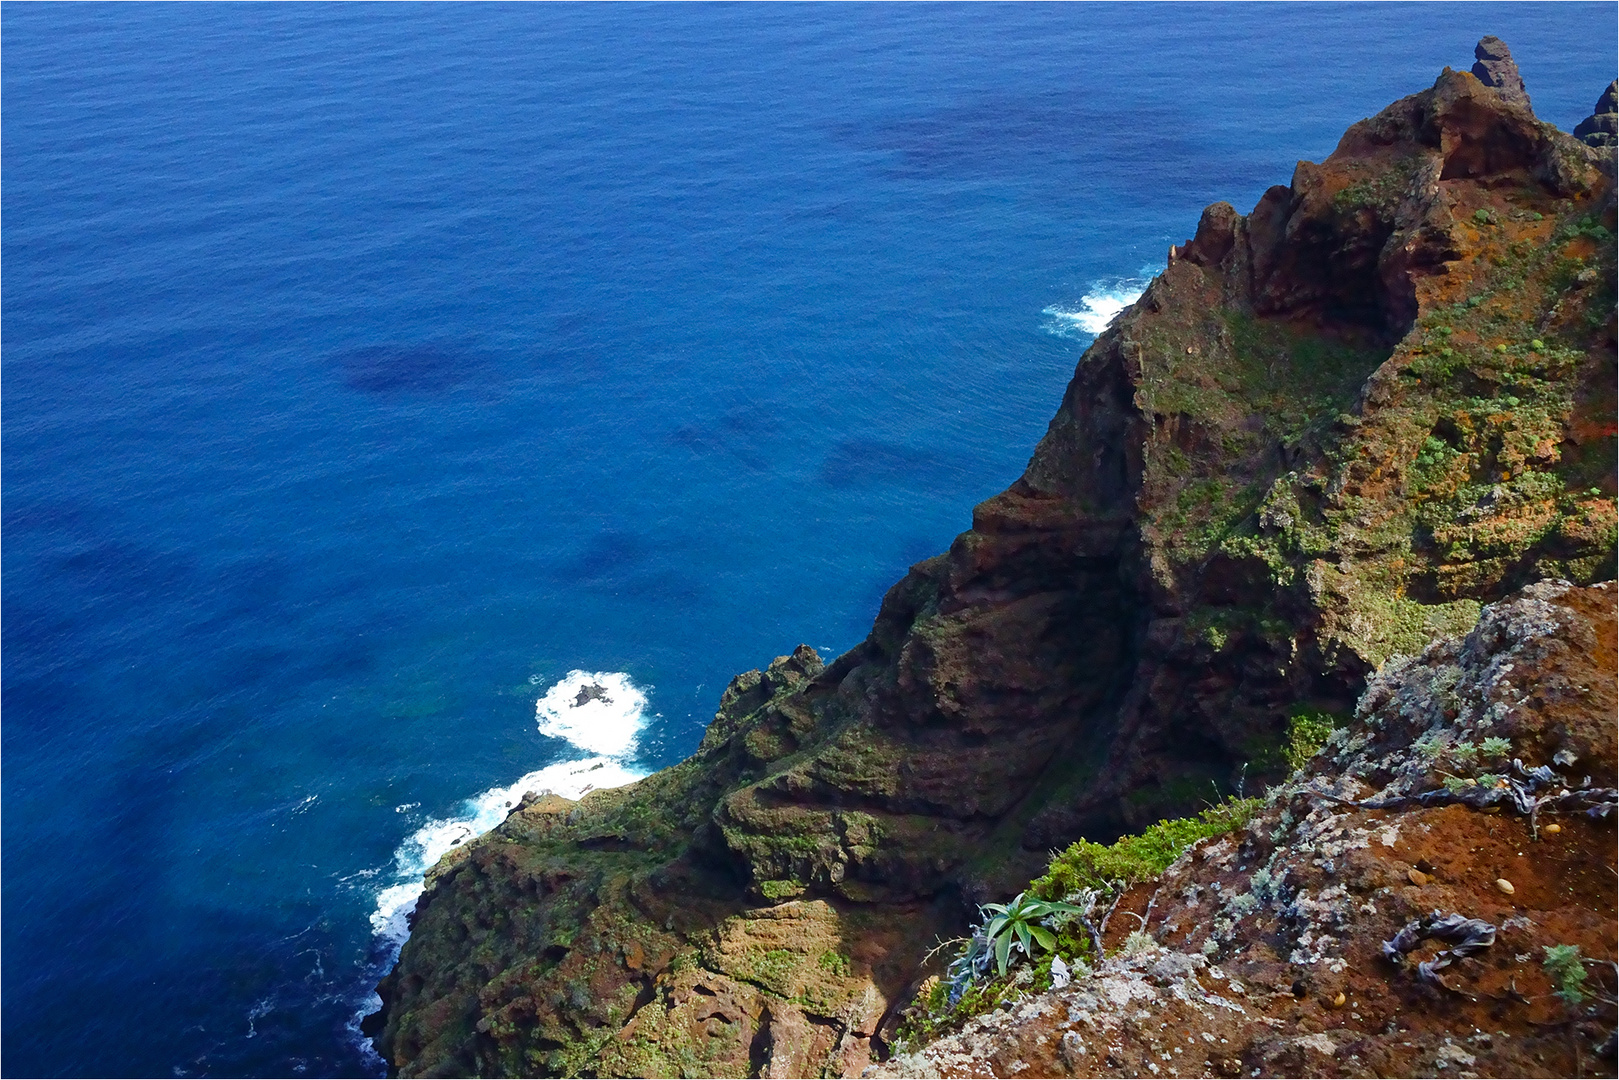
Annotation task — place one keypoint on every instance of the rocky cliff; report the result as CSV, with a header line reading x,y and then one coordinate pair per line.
x,y
1327,433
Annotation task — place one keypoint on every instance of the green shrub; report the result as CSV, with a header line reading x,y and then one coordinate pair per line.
x,y
1132,859
1567,970
835,962
780,890
1307,733
1430,745
934,1016
1589,226
1039,916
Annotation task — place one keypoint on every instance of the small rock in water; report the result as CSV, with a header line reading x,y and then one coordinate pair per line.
x,y
1505,886
593,692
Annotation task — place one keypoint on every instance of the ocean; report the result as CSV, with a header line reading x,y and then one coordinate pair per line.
x,y
408,406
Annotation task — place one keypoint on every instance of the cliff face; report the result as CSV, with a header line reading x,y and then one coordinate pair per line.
x,y
1324,435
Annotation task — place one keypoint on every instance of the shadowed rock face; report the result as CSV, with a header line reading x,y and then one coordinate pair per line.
x,y
1326,433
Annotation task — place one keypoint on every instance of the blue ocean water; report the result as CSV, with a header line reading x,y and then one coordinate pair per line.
x,y
369,369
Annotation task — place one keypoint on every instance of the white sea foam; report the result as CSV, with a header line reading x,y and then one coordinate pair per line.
x,y
430,843
1096,309
600,712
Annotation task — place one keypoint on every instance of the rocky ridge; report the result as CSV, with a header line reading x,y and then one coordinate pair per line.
x,y
1325,435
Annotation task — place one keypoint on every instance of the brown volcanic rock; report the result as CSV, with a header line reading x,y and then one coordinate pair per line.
x,y
1323,436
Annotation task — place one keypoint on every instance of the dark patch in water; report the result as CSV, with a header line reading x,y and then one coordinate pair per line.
x,y
614,563
863,462
37,632
250,597
571,323
48,514
249,587
396,369
606,555
243,667
698,439
665,588
571,365
129,571
240,660
340,660
730,439
40,705
1055,135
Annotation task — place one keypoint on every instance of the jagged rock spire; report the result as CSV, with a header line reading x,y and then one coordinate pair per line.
x,y
1495,67
1601,128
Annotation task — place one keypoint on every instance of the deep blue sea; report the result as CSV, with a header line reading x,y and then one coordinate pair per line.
x,y
367,370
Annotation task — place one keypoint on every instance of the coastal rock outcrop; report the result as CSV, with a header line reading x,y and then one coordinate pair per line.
x,y
1601,128
1325,435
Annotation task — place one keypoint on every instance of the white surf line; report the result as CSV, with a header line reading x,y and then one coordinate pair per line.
x,y
601,713
1100,305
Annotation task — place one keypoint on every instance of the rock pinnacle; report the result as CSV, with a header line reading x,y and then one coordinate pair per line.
x,y
1496,68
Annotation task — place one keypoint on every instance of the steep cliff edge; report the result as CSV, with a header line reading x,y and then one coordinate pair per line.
x,y
1325,435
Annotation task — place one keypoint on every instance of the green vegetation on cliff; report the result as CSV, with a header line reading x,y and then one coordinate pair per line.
x,y
1142,857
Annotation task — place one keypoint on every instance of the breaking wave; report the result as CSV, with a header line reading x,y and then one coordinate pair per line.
x,y
1096,309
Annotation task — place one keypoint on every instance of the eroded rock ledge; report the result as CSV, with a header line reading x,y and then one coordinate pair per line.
x,y
1327,433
